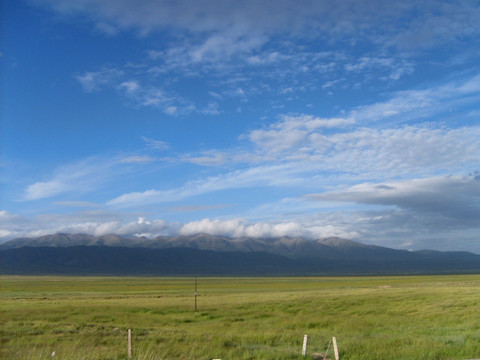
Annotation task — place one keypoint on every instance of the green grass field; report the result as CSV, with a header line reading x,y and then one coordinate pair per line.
x,y
415,317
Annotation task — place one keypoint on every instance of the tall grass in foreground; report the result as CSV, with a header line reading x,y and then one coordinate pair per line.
x,y
419,317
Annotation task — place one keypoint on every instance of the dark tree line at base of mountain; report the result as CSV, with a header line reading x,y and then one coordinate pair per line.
x,y
220,256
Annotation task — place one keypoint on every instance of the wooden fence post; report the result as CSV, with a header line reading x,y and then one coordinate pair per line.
x,y
129,343
304,349
335,348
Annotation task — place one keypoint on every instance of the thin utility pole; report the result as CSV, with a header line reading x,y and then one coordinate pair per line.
x,y
195,294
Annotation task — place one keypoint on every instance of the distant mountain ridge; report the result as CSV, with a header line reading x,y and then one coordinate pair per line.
x,y
287,246
207,254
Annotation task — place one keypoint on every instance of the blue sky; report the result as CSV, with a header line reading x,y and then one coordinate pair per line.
x,y
357,119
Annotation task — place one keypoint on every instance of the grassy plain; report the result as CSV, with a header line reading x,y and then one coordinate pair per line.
x,y
415,317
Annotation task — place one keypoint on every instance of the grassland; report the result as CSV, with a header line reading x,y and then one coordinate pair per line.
x,y
418,317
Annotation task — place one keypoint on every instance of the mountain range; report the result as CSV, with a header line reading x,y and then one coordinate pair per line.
x,y
203,254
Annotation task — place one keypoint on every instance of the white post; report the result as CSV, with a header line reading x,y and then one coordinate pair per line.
x,y
304,349
129,343
335,348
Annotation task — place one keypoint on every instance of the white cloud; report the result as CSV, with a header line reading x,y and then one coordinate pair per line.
x,y
242,228
452,196
192,208
224,46
292,131
406,150
211,109
126,83
421,104
267,58
81,176
215,95
168,102
214,227
296,152
398,228
368,62
436,22
81,204
299,149
94,223
144,197
84,223
143,227
358,150
107,29
92,81
7,217
439,23
171,110
130,86
278,141
40,190
136,159
209,158
210,45
155,144
380,67
273,175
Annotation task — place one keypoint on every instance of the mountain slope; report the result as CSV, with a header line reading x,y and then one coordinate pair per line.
x,y
102,260
219,255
